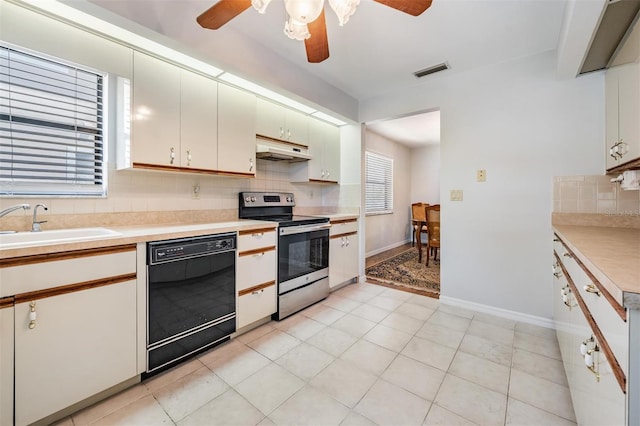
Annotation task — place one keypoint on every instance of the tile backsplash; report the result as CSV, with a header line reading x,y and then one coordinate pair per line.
x,y
593,194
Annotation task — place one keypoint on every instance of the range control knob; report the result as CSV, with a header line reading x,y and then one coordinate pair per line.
x,y
253,199
289,199
247,199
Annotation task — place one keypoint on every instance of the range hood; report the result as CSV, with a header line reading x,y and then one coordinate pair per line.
x,y
273,150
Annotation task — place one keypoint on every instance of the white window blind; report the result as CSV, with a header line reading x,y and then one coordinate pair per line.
x,y
378,184
51,127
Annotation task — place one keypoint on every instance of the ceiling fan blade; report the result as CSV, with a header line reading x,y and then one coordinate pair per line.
x,y
412,7
317,45
222,12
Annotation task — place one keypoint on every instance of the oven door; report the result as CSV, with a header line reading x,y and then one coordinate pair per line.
x,y
303,255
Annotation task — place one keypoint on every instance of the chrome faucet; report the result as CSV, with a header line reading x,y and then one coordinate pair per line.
x,y
35,226
12,208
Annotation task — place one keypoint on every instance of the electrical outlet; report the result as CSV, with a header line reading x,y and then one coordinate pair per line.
x,y
195,194
482,176
455,195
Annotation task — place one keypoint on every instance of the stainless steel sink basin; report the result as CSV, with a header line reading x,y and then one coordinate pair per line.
x,y
54,237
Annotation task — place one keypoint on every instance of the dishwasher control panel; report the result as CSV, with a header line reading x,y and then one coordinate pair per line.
x,y
184,248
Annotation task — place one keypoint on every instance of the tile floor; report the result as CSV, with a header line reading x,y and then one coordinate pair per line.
x,y
366,355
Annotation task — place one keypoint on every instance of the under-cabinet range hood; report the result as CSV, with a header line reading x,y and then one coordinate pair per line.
x,y
267,149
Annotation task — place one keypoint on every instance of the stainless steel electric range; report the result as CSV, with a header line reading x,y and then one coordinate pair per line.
x,y
303,249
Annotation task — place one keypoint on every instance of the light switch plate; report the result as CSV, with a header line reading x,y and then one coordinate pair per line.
x,y
482,175
455,195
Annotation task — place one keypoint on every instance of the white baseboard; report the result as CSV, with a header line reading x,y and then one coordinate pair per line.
x,y
392,246
499,312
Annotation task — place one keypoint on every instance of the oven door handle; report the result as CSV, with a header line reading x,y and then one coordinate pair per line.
x,y
290,230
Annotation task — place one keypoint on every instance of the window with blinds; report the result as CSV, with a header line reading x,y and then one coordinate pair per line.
x,y
51,127
378,184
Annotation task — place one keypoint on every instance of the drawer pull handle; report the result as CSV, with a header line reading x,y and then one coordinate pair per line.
x,y
258,254
584,346
557,274
258,235
32,315
258,291
555,240
591,364
567,255
591,288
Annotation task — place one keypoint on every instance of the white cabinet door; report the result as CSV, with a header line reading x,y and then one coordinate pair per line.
x,y
336,261
314,168
198,121
155,124
83,343
269,119
6,364
296,127
351,257
236,131
622,108
257,304
324,148
611,115
331,153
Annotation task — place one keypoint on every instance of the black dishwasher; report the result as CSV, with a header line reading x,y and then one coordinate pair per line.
x,y
190,297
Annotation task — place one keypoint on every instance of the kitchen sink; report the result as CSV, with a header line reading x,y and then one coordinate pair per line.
x,y
56,236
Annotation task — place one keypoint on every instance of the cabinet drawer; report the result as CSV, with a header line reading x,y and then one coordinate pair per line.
x,y
256,268
255,239
343,227
256,304
22,275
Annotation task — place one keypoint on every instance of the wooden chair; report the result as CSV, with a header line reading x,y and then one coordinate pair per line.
x,y
433,229
419,224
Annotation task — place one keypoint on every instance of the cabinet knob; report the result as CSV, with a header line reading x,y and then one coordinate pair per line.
x,y
250,164
32,315
172,155
189,158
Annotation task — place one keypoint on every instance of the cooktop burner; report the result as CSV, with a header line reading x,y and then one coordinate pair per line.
x,y
273,206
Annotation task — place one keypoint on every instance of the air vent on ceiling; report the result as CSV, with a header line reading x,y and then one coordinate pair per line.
x,y
614,27
436,68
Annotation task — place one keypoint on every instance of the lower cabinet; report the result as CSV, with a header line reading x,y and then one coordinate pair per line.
x,y
343,251
256,276
594,357
71,328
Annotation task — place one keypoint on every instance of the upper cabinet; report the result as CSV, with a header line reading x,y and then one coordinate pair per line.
x,y
622,105
236,131
324,148
281,123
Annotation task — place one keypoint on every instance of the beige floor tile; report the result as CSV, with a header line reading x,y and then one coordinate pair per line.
x,y
189,393
471,401
169,376
456,310
343,382
387,337
299,326
542,394
221,351
539,345
341,303
439,416
323,314
357,294
256,332
110,405
414,376
372,313
495,320
144,411
355,419
274,344
429,353
412,310
354,325
396,294
540,366
332,341
235,366
269,387
369,356
305,361
440,334
427,302
486,349
310,406
388,404
402,322
519,413
536,330
229,409
385,302
266,422
445,319
495,333
481,371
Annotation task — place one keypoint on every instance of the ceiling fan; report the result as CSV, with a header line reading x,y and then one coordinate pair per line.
x,y
305,18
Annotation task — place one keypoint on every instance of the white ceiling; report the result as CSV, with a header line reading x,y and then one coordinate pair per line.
x,y
377,51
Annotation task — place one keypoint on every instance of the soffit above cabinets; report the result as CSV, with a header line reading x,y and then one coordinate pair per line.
x,y
615,28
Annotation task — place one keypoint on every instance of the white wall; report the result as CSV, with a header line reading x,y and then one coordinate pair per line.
x,y
425,174
523,126
390,230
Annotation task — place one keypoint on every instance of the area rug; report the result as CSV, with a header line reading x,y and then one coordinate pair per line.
x,y
404,272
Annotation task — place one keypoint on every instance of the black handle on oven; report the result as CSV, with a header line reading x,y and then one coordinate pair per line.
x,y
290,230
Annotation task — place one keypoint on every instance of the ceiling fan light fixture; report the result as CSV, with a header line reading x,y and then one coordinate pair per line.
x,y
344,9
260,5
304,11
296,30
